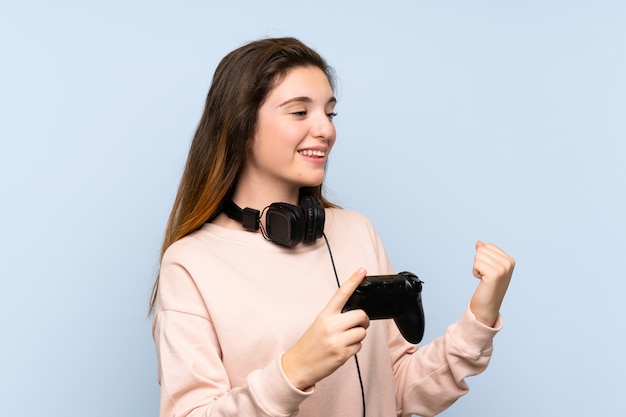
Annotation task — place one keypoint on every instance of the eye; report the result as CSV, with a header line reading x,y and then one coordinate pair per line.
x,y
331,115
300,113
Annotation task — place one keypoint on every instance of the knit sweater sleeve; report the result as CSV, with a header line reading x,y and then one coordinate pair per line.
x,y
191,373
431,378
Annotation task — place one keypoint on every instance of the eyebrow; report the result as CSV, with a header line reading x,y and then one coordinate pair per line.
x,y
305,99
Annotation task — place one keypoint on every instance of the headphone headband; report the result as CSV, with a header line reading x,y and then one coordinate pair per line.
x,y
285,224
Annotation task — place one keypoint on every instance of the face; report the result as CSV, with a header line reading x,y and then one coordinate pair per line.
x,y
294,133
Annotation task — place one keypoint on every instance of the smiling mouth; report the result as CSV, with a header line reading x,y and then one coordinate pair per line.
x,y
310,152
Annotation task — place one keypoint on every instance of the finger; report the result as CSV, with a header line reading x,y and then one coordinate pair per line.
x,y
486,258
494,256
480,258
354,336
495,250
355,318
344,292
476,272
492,264
483,259
484,262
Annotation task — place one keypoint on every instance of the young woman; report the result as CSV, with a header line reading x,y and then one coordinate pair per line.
x,y
247,309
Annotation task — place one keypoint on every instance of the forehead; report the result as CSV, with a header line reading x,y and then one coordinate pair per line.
x,y
307,81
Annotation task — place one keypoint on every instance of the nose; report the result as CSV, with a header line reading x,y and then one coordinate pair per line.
x,y
323,127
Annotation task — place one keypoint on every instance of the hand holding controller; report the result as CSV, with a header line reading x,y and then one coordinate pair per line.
x,y
397,297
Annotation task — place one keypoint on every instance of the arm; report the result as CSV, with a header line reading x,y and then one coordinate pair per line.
x,y
494,268
196,382
430,379
330,341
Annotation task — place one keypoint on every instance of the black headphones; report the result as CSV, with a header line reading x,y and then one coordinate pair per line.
x,y
285,224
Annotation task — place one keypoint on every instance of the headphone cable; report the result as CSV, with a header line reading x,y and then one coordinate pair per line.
x,y
356,359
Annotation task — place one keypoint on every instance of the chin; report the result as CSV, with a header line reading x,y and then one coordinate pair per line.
x,y
309,178
312,183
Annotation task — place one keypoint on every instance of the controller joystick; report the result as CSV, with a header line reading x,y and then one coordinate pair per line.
x,y
397,297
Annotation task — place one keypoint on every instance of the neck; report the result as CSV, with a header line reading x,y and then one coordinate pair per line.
x,y
261,197
256,198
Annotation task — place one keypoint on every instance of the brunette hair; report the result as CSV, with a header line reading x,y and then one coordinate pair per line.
x,y
218,152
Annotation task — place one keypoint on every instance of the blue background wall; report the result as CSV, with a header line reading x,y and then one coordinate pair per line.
x,y
495,120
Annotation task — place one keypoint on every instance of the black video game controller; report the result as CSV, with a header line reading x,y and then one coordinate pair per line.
x,y
397,297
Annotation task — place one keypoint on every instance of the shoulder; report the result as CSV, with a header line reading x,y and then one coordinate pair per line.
x,y
186,248
178,273
352,226
353,236
346,215
349,219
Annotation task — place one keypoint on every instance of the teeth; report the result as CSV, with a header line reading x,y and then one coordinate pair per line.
x,y
309,152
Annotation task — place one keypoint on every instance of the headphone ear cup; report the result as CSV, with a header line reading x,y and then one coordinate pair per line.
x,y
314,216
285,224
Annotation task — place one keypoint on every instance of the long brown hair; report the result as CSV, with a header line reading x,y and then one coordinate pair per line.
x,y
220,146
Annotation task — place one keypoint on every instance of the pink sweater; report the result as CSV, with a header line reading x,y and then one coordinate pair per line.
x,y
230,303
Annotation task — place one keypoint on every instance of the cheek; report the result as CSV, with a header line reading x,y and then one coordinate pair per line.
x,y
277,135
333,139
